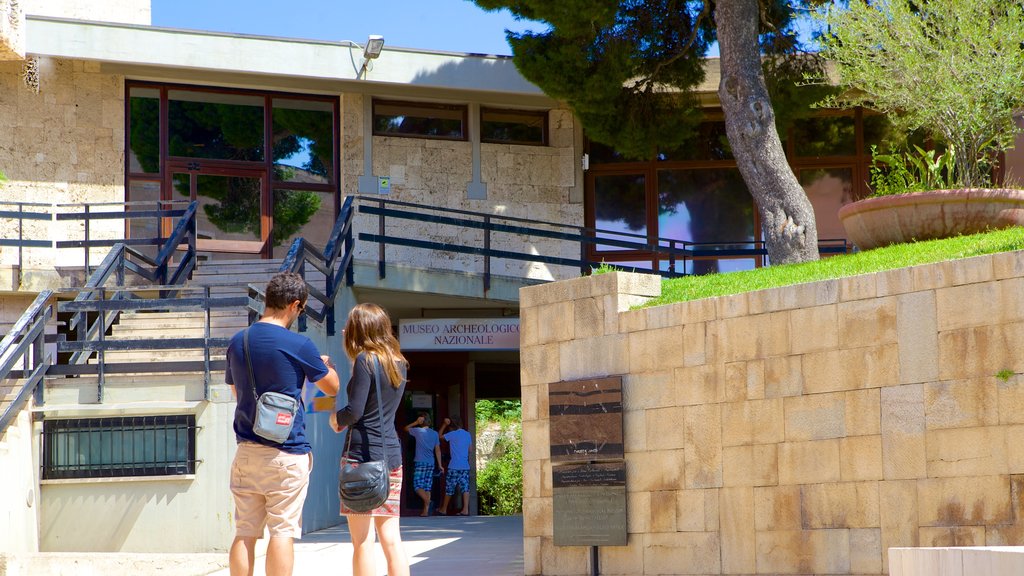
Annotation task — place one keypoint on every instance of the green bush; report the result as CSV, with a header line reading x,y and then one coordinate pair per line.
x,y
503,411
500,483
912,171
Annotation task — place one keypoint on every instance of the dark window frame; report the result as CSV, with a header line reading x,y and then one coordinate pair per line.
x,y
57,431
860,162
463,108
542,114
333,185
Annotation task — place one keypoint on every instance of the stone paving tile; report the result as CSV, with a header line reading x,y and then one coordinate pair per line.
x,y
439,545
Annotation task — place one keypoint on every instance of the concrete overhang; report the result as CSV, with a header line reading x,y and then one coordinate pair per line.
x,y
166,54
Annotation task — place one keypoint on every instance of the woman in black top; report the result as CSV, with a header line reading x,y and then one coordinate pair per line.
x,y
368,340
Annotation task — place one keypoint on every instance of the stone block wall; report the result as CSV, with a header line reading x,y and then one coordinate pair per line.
x,y
12,31
532,182
797,430
62,145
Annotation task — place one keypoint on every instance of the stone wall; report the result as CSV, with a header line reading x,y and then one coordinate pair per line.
x,y
19,508
799,430
62,145
532,182
12,31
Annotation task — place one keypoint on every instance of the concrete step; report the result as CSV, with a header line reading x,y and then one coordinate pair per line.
x,y
115,357
179,320
129,388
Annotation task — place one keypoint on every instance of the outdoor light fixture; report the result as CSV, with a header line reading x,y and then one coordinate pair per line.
x,y
374,44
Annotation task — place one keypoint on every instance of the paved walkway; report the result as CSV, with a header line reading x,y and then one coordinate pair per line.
x,y
437,546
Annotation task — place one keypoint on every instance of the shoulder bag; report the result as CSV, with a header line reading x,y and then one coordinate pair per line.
x,y
363,486
275,412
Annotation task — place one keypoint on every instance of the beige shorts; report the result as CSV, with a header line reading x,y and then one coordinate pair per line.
x,y
269,487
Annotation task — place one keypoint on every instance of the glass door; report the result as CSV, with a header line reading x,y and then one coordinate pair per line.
x,y
233,218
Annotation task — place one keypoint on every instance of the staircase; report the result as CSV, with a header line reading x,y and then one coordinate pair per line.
x,y
220,278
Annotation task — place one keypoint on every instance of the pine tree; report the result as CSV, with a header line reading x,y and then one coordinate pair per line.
x,y
628,70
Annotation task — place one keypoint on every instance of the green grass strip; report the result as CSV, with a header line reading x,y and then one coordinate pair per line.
x,y
877,260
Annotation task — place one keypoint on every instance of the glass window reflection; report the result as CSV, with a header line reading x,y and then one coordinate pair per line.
x,y
419,120
303,145
711,143
619,206
302,213
705,206
215,126
706,266
144,130
828,189
825,136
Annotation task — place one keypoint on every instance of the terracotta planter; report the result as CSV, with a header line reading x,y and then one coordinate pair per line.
x,y
885,220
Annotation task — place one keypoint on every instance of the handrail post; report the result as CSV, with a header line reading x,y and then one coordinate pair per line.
x,y
672,257
349,247
583,254
85,245
380,245
39,356
21,239
487,254
101,356
302,274
206,345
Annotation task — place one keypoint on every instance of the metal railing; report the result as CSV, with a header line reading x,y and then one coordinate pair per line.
x,y
677,253
19,212
107,303
334,264
123,258
25,345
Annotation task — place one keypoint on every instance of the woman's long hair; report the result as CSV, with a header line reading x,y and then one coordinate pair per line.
x,y
369,330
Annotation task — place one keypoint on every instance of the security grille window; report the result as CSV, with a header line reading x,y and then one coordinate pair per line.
x,y
418,120
514,127
122,446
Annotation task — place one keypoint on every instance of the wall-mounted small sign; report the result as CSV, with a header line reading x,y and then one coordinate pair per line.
x,y
383,184
589,503
586,420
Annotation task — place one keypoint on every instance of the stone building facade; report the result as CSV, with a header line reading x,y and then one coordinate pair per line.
x,y
798,430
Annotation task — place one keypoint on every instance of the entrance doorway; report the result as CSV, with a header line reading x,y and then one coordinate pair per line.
x,y
447,384
234,214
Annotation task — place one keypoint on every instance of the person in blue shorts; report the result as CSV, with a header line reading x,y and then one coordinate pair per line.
x,y
428,448
457,478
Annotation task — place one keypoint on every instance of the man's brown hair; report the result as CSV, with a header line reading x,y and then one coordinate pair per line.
x,y
285,288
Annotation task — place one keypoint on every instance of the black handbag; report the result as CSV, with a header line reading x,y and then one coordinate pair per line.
x,y
363,486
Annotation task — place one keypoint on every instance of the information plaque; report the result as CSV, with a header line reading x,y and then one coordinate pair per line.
x,y
586,420
589,504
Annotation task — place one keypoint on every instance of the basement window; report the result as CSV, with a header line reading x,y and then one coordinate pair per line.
x,y
118,447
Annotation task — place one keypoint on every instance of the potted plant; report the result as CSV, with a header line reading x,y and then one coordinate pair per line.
x,y
953,70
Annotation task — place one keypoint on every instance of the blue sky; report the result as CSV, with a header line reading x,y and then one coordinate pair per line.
x,y
447,25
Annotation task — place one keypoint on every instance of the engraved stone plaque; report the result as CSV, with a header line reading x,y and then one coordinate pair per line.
x,y
589,504
586,420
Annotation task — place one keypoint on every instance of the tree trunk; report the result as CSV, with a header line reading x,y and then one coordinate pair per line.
x,y
787,217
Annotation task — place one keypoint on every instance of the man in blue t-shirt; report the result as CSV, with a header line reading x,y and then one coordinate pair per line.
x,y
457,478
428,448
269,479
